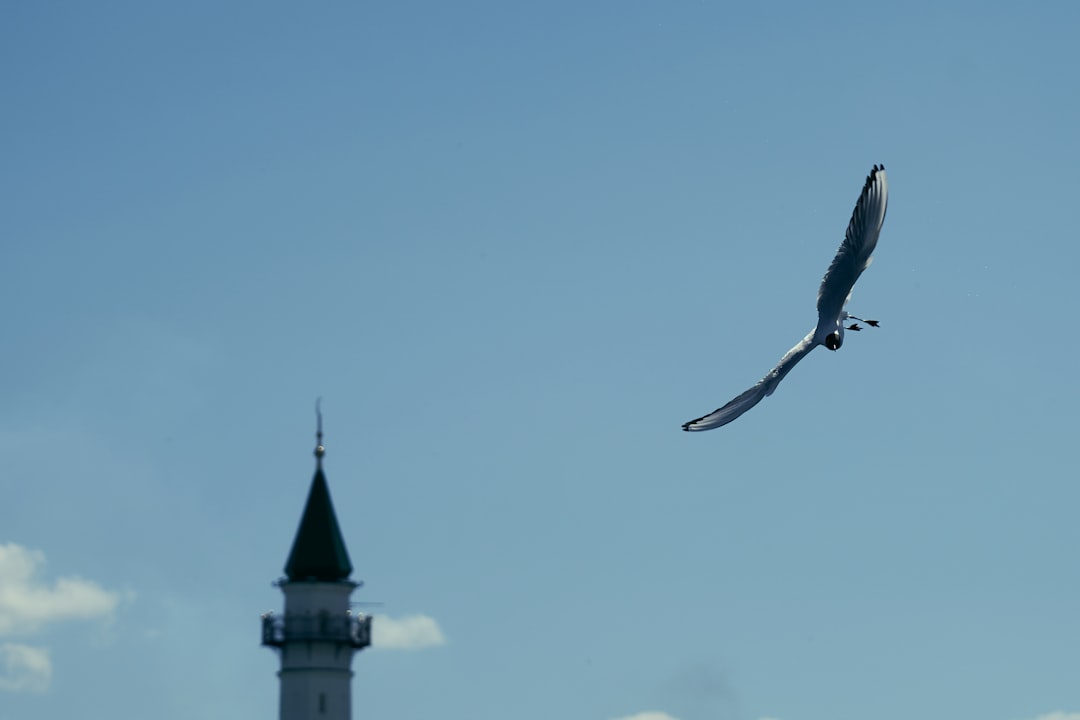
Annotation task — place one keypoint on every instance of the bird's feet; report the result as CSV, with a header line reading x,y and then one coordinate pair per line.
x,y
855,327
871,323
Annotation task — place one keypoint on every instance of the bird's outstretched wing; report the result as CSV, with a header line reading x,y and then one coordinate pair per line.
x,y
754,395
855,252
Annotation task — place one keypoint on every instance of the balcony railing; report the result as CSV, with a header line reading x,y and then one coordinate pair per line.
x,y
352,630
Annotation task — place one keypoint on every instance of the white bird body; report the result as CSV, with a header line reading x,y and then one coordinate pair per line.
x,y
853,257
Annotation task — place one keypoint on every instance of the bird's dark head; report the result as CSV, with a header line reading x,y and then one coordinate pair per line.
x,y
834,340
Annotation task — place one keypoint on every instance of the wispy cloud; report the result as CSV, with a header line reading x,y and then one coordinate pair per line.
x,y
1059,715
651,715
26,603
407,633
24,668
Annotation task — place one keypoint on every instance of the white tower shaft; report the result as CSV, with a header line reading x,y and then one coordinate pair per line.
x,y
318,637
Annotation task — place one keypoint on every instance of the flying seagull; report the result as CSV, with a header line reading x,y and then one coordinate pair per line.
x,y
851,259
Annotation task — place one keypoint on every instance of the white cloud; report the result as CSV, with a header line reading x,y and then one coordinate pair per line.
x,y
653,715
26,603
1059,715
24,668
407,633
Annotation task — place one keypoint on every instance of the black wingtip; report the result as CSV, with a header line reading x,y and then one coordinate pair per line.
x,y
872,176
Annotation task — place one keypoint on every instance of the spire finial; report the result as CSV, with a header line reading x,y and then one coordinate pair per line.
x,y
319,449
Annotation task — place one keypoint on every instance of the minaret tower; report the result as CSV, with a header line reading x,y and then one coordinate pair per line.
x,y
317,635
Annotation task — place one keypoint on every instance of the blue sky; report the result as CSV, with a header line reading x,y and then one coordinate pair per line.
x,y
514,247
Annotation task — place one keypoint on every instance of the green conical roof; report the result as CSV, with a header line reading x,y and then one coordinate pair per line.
x,y
318,552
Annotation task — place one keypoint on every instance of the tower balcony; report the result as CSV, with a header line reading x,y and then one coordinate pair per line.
x,y
352,630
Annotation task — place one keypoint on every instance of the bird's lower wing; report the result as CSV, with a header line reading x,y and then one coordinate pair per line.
x,y
750,398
